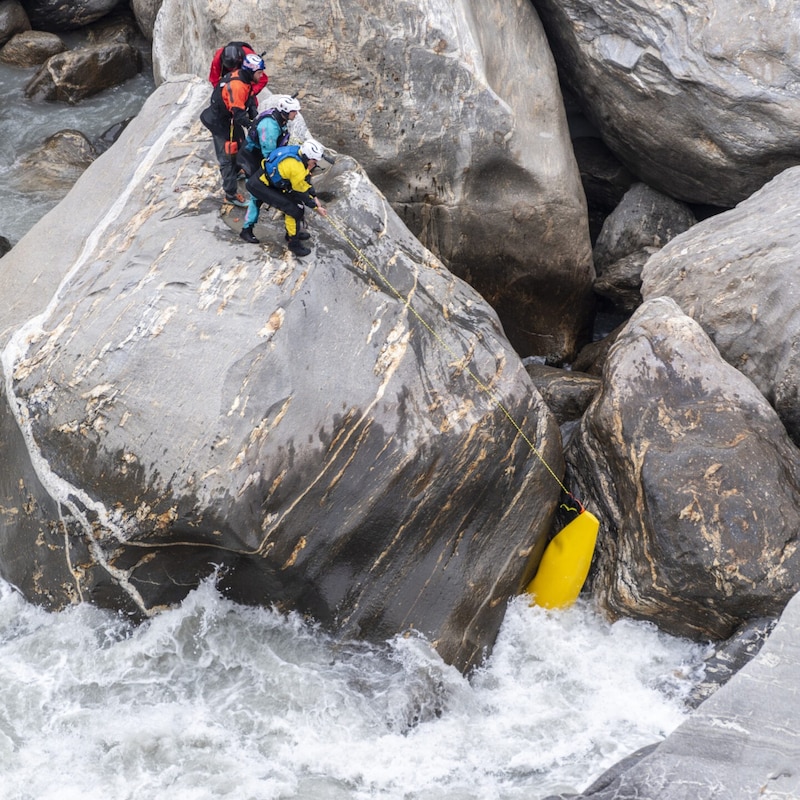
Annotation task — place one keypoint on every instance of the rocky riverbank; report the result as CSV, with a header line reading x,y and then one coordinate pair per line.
x,y
373,488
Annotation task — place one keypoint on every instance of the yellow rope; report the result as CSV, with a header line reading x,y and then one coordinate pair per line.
x,y
363,257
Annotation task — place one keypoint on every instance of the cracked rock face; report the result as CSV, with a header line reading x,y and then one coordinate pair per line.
x,y
323,433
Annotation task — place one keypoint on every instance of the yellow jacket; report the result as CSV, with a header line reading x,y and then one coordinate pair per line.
x,y
296,172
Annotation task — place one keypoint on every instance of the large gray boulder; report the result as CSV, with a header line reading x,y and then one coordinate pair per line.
x,y
454,110
736,274
699,98
696,481
324,434
742,743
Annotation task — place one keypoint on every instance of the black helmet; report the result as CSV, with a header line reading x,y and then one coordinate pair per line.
x,y
232,57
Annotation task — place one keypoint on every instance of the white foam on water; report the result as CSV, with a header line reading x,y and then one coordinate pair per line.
x,y
213,700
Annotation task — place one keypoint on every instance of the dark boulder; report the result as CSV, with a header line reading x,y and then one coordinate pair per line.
x,y
621,281
63,15
644,218
13,20
696,481
604,177
145,12
31,48
76,74
566,392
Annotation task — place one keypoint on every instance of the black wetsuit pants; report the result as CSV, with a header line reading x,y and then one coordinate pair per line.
x,y
291,203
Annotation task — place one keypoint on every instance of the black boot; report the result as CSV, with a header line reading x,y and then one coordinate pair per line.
x,y
248,235
297,247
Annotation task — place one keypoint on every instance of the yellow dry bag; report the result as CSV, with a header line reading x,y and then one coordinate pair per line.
x,y
565,563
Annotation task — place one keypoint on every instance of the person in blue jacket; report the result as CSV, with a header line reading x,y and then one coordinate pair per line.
x,y
269,130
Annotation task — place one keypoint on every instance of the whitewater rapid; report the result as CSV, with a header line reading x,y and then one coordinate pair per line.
x,y
212,700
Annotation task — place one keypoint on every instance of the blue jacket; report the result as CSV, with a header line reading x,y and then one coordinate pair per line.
x,y
269,134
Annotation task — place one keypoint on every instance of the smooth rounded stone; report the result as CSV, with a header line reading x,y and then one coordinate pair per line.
x,y
13,20
698,99
31,48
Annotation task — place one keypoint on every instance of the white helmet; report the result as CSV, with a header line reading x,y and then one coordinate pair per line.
x,y
252,62
311,148
287,104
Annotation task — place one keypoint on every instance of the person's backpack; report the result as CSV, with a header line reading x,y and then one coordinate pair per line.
x,y
216,117
252,134
271,165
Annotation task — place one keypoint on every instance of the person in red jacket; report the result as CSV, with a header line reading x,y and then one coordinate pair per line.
x,y
228,116
229,58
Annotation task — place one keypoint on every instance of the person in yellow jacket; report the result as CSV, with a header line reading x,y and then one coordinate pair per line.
x,y
284,182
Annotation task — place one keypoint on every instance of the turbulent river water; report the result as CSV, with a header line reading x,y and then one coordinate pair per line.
x,y
211,700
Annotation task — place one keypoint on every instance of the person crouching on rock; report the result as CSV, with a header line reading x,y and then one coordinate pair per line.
x,y
284,182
